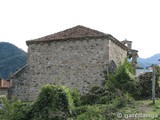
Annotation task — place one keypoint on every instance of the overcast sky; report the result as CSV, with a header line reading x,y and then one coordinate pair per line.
x,y
135,20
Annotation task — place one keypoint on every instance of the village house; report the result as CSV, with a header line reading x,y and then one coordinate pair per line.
x,y
76,57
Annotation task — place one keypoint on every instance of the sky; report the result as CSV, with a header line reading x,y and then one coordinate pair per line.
x,y
135,20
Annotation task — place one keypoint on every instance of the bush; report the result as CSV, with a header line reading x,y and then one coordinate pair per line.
x,y
20,111
88,113
123,80
6,108
76,97
13,110
145,86
98,95
53,103
122,100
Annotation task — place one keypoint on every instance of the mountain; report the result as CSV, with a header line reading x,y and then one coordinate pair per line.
x,y
11,58
149,61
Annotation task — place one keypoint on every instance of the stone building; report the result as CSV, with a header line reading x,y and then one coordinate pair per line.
x,y
76,57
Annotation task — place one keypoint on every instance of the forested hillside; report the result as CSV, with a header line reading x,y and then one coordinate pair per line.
x,y
11,58
146,62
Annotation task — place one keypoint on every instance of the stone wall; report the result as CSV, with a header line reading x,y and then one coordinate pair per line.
x,y
74,63
116,53
4,91
20,85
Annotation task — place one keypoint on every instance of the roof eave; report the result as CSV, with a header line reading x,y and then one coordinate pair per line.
x,y
118,43
57,40
37,41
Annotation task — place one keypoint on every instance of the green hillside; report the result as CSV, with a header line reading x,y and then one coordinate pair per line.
x,y
11,58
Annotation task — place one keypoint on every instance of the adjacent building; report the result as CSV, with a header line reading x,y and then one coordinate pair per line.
x,y
4,86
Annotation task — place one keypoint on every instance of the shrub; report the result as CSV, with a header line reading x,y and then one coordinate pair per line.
x,y
6,108
88,113
76,97
145,86
53,103
20,110
122,80
13,110
122,100
97,95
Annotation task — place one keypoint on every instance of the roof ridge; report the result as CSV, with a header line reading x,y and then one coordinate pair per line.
x,y
78,31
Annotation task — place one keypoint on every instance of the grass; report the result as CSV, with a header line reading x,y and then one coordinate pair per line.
x,y
137,110
141,110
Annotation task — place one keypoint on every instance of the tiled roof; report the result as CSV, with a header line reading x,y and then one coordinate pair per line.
x,y
76,33
72,33
19,71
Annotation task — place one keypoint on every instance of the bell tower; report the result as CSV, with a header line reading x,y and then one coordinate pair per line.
x,y
132,54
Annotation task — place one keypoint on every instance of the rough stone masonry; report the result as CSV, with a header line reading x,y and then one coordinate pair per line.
x,y
76,57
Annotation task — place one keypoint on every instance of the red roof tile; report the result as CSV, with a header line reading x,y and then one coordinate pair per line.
x,y
72,33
